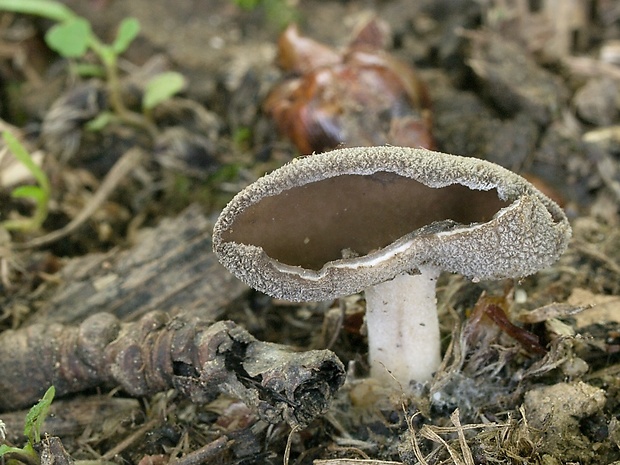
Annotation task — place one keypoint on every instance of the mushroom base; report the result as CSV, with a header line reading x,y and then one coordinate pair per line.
x,y
403,328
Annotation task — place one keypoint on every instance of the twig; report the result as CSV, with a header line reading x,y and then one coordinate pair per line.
x,y
289,443
596,255
197,358
129,440
121,168
205,453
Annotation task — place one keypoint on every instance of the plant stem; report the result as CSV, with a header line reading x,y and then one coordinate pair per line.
x,y
110,63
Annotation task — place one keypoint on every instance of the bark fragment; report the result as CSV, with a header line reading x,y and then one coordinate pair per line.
x,y
198,358
170,267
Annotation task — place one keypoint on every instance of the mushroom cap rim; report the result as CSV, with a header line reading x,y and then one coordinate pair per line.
x,y
542,221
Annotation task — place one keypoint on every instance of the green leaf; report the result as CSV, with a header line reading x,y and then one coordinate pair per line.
x,y
100,121
242,135
40,194
280,12
127,31
4,449
20,152
37,415
45,8
70,38
246,4
162,87
28,192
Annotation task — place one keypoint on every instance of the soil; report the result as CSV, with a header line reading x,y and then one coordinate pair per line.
x,y
534,88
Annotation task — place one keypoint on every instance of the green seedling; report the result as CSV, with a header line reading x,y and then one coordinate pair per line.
x,y
72,37
242,137
161,88
32,430
39,194
279,12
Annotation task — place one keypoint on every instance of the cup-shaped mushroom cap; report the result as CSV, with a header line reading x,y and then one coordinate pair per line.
x,y
336,223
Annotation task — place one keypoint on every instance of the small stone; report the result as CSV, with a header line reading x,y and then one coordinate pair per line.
x,y
596,102
554,412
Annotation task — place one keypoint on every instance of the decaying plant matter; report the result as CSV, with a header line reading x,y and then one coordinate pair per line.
x,y
359,96
198,358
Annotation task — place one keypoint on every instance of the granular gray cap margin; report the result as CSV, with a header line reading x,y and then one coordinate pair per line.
x,y
524,237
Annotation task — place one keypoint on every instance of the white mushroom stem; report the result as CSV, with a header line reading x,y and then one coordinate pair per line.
x,y
403,328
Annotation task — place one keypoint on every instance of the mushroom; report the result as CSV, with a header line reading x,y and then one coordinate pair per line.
x,y
387,221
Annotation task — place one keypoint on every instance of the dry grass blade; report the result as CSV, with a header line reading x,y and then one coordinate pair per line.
x,y
554,310
467,456
434,434
429,433
118,172
415,445
130,440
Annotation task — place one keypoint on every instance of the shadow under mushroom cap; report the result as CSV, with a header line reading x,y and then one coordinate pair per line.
x,y
335,223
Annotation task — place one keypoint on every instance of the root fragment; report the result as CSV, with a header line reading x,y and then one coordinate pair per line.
x,y
199,359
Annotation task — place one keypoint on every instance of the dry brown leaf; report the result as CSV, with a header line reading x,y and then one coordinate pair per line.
x,y
604,308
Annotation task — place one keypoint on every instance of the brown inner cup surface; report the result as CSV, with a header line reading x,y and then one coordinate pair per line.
x,y
313,224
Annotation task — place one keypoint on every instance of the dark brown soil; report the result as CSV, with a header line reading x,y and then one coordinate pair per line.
x,y
536,91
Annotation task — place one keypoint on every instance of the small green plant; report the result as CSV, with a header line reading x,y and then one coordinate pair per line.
x,y
32,430
39,194
279,12
161,88
242,136
72,37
